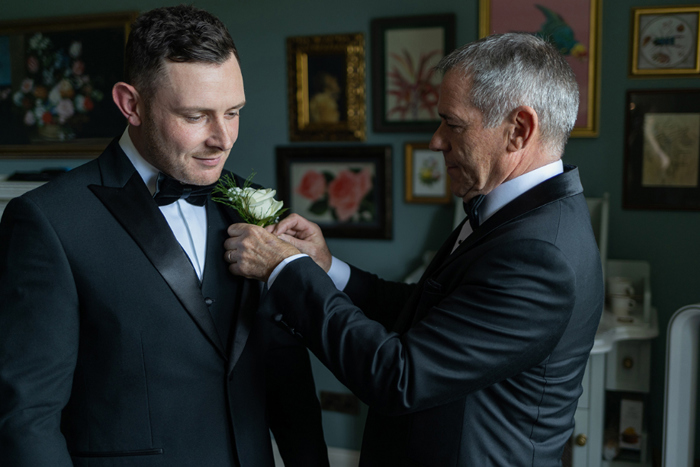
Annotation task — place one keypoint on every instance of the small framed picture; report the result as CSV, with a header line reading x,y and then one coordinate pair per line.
x,y
326,88
662,160
665,41
426,175
56,79
345,190
405,84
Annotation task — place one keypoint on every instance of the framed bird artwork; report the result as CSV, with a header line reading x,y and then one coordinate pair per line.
x,y
573,27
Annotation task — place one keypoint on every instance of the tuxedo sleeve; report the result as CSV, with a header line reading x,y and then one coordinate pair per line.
x,y
38,338
378,299
491,326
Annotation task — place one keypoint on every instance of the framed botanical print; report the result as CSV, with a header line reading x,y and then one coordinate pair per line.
x,y
405,84
426,175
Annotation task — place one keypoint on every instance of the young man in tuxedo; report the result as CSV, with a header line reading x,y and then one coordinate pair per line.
x,y
480,363
123,338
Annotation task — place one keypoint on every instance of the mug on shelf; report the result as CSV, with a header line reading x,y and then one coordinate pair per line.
x,y
621,304
620,286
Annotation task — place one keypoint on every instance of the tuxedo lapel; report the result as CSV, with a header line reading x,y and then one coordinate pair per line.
x,y
132,206
250,291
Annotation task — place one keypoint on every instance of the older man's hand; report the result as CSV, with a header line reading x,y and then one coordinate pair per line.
x,y
253,252
306,236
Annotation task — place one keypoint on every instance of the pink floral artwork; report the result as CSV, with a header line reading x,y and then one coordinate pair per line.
x,y
334,192
347,191
312,185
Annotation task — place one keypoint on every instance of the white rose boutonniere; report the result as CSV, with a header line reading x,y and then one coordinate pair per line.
x,y
255,206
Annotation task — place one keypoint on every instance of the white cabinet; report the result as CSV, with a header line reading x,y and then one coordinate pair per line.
x,y
619,364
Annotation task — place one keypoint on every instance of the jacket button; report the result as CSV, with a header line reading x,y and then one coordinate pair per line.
x,y
278,317
208,301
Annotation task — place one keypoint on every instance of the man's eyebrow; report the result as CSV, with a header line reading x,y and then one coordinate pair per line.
x,y
450,117
205,109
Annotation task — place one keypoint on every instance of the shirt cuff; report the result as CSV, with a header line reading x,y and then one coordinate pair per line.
x,y
339,271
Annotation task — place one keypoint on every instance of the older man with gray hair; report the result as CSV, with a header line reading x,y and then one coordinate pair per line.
x,y
480,363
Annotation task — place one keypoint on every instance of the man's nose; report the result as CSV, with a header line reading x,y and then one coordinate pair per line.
x,y
437,142
222,134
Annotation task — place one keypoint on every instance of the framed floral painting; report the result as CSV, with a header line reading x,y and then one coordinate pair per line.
x,y
426,175
56,78
326,87
573,27
345,190
405,84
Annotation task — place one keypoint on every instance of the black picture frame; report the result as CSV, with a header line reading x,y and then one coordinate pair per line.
x,y
56,79
346,190
419,32
662,157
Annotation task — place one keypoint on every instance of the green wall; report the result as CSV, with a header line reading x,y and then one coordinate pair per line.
x,y
666,239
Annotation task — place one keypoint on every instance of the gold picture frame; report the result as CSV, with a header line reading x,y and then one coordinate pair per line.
x,y
56,78
583,20
426,175
326,87
665,41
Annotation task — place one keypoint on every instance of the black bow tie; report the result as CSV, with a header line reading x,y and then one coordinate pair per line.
x,y
472,210
169,190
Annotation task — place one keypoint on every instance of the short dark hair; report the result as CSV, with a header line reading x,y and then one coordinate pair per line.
x,y
180,33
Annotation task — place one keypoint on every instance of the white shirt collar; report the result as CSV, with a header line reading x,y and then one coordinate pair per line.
x,y
148,173
508,191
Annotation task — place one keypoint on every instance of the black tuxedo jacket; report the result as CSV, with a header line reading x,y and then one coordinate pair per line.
x,y
111,351
481,362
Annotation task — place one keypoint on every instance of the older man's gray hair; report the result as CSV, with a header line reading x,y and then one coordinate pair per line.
x,y
513,69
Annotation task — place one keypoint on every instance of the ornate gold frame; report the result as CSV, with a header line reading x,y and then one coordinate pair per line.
x,y
351,124
637,14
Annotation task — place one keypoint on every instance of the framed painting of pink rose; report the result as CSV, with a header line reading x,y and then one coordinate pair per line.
x,y
405,84
345,190
56,78
573,27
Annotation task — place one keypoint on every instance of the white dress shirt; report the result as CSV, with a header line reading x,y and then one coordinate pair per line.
x,y
187,221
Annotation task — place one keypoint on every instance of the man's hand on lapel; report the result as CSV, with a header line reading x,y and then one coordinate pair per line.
x,y
305,236
253,252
